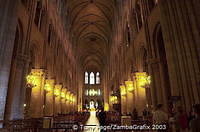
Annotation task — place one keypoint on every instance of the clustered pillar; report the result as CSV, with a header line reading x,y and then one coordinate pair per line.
x,y
133,94
52,99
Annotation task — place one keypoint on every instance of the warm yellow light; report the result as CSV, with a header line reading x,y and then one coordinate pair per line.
x,y
56,92
149,80
63,94
143,79
106,107
71,97
68,96
34,78
48,87
123,90
49,84
74,99
113,99
129,85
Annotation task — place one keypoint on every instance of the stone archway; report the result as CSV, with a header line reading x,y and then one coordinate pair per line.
x,y
159,70
16,90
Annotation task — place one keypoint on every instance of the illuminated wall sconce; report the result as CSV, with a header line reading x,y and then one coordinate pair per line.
x,y
56,92
106,107
71,98
122,90
49,84
129,85
24,105
68,96
143,79
74,99
113,99
34,78
63,93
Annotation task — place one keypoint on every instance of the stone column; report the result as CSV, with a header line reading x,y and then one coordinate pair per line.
x,y
130,96
49,88
67,106
180,28
57,97
37,93
106,96
123,99
16,92
63,97
140,91
7,35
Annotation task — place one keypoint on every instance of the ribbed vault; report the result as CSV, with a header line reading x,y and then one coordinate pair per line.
x,y
90,30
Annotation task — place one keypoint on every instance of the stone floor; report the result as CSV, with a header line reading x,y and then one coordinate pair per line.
x,y
92,124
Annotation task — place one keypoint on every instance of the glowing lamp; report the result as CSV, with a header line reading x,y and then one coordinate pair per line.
x,y
106,107
148,80
129,85
115,99
56,92
143,79
68,96
123,90
48,87
71,97
31,80
111,99
74,99
34,78
63,94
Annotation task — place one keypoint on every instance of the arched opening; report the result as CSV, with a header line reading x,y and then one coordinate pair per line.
x,y
163,58
92,78
97,78
86,78
16,79
160,77
138,15
38,12
151,4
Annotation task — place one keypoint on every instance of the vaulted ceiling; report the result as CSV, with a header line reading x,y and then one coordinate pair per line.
x,y
91,23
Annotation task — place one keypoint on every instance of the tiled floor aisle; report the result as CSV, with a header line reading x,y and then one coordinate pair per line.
x,y
94,122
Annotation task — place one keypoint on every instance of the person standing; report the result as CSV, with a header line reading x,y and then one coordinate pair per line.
x,y
181,120
195,123
159,116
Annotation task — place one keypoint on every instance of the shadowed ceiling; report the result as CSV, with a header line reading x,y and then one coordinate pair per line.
x,y
90,31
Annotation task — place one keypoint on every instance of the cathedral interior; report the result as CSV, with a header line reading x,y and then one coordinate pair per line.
x,y
61,59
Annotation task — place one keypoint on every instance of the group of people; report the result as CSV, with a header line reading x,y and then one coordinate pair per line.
x,y
177,121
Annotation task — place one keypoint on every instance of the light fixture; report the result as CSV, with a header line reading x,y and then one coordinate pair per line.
x,y
48,87
129,85
56,92
68,96
143,79
34,78
122,90
49,84
63,94
113,99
